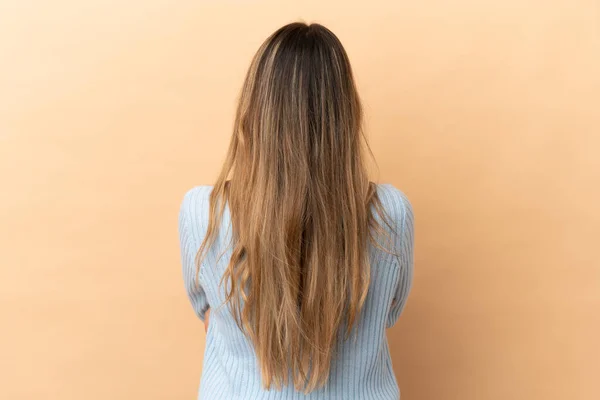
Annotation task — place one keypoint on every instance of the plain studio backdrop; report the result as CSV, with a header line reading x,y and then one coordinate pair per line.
x,y
486,113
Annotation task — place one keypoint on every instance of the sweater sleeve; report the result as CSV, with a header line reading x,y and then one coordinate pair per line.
x,y
189,244
403,244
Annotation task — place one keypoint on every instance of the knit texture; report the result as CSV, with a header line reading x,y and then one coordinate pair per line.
x,y
361,369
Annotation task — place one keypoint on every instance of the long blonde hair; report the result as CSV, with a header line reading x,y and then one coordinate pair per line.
x,y
300,203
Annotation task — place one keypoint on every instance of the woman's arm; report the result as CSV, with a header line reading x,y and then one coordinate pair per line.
x,y
206,318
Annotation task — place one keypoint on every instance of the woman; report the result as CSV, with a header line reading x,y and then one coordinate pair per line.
x,y
301,260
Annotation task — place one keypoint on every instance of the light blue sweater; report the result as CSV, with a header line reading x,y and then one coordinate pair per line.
x,y
362,370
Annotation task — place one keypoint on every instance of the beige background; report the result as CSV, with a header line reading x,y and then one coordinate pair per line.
x,y
486,113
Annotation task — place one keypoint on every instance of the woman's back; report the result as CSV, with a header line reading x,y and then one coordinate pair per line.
x,y
360,366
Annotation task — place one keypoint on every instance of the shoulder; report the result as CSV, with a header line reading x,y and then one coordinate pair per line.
x,y
393,199
195,203
196,194
395,203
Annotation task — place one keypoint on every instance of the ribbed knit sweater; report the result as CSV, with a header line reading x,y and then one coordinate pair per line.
x,y
361,369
